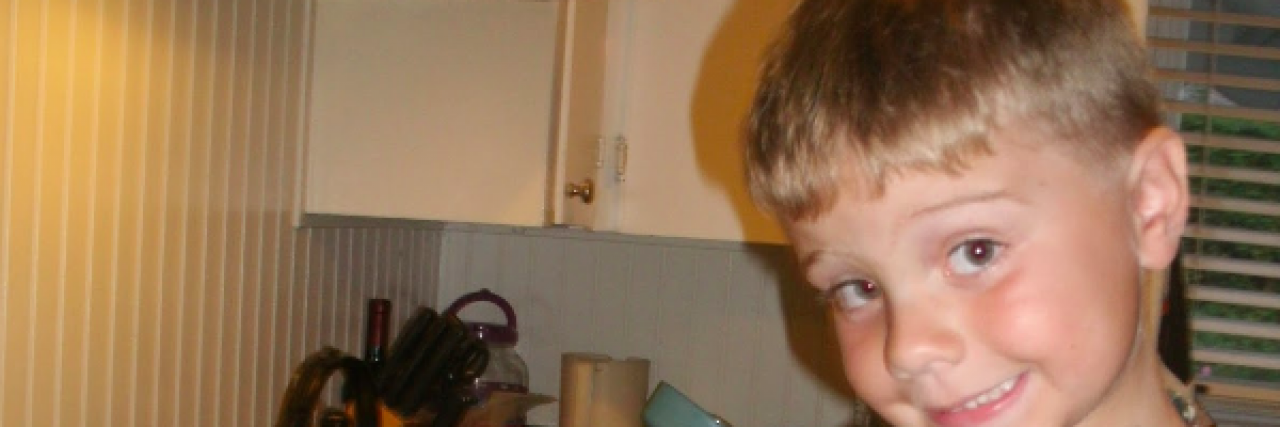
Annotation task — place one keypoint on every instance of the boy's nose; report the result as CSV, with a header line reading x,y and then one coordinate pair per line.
x,y
921,340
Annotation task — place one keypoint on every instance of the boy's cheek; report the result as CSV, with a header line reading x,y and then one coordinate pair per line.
x,y
1049,301
1021,312
864,336
862,353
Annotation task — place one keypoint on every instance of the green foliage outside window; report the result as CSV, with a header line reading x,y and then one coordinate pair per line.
x,y
1213,187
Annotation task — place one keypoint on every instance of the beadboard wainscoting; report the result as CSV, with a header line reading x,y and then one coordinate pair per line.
x,y
346,264
724,322
150,273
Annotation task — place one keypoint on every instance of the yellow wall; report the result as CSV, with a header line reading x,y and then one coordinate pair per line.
x,y
149,273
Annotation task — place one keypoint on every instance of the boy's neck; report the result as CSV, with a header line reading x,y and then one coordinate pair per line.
x,y
1139,398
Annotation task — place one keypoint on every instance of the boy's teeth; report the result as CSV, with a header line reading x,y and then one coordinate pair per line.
x,y
990,396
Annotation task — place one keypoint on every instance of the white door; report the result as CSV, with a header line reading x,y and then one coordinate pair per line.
x,y
577,189
431,110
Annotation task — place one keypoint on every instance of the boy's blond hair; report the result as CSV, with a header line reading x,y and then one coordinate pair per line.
x,y
870,88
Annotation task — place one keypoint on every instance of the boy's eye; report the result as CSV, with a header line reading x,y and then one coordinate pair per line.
x,y
973,256
852,294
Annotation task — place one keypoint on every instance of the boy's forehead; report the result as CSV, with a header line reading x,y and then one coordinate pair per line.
x,y
1025,164
1020,161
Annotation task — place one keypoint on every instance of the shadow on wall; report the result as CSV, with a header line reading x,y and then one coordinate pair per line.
x,y
726,83
809,334
725,86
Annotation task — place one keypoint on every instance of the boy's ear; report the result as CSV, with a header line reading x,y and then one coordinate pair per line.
x,y
1158,197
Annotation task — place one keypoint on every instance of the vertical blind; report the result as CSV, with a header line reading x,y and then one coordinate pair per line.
x,y
150,272
1218,63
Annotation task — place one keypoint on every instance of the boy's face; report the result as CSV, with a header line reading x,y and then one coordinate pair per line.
x,y
1004,295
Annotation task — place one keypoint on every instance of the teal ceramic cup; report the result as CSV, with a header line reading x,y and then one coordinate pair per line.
x,y
669,407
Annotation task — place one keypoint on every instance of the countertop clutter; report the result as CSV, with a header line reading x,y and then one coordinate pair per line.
x,y
433,376
424,380
596,390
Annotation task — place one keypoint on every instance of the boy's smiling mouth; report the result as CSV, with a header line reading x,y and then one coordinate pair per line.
x,y
982,407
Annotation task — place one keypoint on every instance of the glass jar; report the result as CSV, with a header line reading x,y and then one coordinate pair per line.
x,y
506,371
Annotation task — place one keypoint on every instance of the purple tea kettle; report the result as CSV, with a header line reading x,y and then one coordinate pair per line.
x,y
507,372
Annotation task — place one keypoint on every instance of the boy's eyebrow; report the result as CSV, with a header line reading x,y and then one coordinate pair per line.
x,y
968,199
814,258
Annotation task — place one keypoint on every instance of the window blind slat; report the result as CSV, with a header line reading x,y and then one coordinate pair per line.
x,y
1236,389
1236,205
1234,266
1218,80
1223,111
1234,235
1215,17
1233,410
1238,358
1215,48
1235,174
1236,327
1202,292
1231,143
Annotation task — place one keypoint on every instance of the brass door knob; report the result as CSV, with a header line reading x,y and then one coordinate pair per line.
x,y
585,190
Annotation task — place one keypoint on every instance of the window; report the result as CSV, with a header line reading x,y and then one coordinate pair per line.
x,y
1218,62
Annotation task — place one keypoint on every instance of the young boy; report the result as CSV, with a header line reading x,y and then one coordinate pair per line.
x,y
984,192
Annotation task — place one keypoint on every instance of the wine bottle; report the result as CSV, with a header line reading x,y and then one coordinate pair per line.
x,y
375,338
